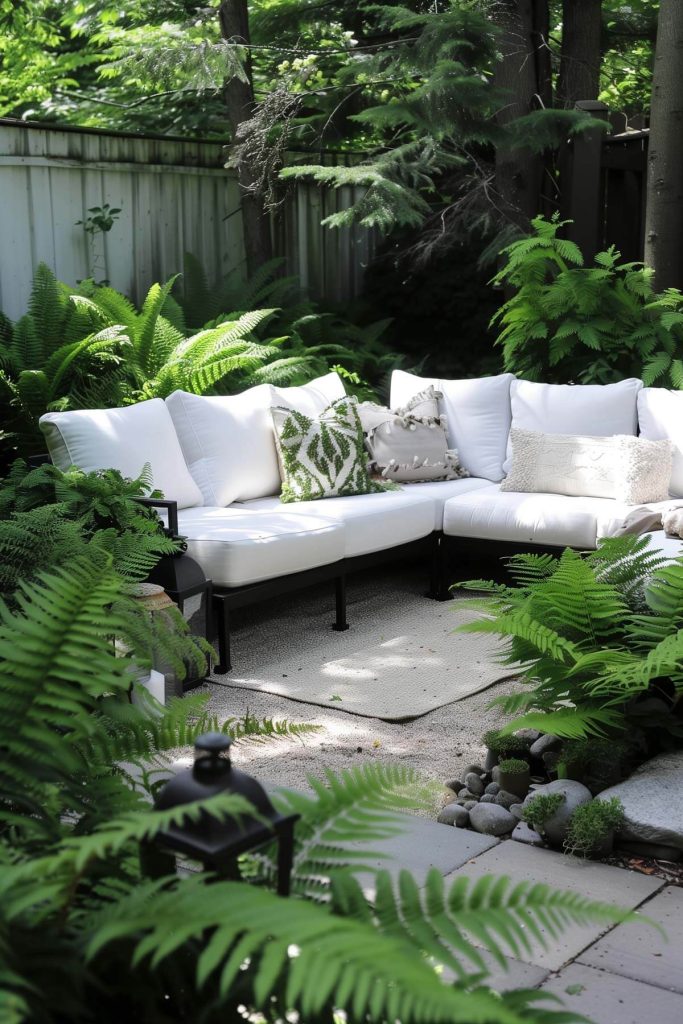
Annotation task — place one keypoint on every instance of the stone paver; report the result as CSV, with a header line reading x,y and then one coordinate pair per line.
x,y
644,953
595,881
606,998
517,975
423,844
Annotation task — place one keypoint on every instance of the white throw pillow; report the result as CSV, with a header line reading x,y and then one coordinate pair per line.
x,y
123,439
477,415
587,409
626,468
660,414
229,442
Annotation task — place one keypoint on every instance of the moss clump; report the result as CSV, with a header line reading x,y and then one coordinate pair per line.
x,y
506,746
542,807
597,762
591,825
513,766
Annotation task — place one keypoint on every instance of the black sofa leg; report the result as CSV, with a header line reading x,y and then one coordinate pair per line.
x,y
340,623
224,663
438,587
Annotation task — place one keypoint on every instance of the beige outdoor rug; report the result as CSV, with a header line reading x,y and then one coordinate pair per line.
x,y
399,660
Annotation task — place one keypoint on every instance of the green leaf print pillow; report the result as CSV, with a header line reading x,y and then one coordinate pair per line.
x,y
323,457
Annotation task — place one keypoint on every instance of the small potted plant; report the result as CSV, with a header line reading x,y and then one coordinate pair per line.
x,y
592,828
499,747
514,776
540,808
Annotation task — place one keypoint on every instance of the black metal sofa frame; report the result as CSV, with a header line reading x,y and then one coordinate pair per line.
x,y
224,600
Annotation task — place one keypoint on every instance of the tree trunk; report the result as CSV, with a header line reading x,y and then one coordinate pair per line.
x,y
664,216
518,171
581,51
239,101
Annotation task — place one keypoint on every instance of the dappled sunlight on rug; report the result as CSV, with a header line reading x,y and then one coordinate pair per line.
x,y
405,663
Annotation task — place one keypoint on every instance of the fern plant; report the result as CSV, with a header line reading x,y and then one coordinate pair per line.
x,y
48,517
592,633
83,932
568,322
58,352
91,348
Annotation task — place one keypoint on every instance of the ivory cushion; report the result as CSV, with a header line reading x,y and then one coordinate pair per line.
x,y
125,439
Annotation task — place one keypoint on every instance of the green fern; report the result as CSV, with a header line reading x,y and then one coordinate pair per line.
x,y
591,634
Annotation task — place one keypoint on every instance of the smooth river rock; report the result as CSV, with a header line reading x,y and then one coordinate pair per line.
x,y
575,795
474,783
454,814
653,801
544,744
491,820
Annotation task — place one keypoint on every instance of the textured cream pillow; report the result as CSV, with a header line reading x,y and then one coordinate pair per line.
x,y
629,469
409,445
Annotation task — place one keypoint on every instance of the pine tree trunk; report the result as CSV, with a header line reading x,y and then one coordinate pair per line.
x,y
664,217
580,59
518,171
239,101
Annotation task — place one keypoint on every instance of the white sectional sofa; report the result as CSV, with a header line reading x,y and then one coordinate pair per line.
x,y
216,459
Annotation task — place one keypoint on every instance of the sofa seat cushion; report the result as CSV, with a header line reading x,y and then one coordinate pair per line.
x,y
441,490
546,519
372,522
669,547
235,546
125,439
477,413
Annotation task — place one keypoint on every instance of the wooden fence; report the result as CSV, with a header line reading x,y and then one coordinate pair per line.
x,y
175,197
605,187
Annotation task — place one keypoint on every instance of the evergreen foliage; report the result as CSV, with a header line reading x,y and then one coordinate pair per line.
x,y
567,322
48,517
84,933
76,905
593,633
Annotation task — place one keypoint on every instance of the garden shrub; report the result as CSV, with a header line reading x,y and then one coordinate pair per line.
x,y
568,322
91,348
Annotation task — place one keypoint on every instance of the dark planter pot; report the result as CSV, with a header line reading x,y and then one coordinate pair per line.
x,y
515,783
491,760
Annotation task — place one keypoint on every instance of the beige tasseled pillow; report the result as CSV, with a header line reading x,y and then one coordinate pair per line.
x,y
409,445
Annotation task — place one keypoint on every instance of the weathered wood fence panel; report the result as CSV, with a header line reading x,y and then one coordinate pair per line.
x,y
175,197
604,189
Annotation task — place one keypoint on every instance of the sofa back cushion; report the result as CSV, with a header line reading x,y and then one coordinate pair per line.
x,y
124,439
477,415
229,441
660,415
596,409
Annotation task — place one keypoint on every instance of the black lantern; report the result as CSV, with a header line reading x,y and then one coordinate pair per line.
x,y
218,844
180,575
